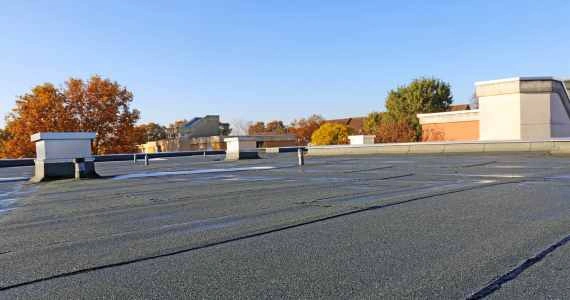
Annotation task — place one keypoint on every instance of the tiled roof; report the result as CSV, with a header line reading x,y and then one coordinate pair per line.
x,y
355,123
458,107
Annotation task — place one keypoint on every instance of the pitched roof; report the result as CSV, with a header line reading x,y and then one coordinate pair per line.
x,y
458,107
192,122
354,123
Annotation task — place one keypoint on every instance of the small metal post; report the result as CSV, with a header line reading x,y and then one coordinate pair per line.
x,y
301,156
146,159
79,167
135,158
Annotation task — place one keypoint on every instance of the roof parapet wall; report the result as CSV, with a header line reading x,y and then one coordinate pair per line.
x,y
449,116
522,85
525,85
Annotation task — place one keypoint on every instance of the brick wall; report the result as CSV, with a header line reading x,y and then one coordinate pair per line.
x,y
452,131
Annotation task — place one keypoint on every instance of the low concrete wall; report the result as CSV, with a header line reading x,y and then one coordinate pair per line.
x,y
18,162
127,157
281,149
277,144
549,146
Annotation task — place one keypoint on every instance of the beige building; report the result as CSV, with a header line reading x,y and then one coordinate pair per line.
x,y
521,108
206,126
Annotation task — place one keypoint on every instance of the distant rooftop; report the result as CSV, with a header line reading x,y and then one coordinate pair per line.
x,y
458,107
356,124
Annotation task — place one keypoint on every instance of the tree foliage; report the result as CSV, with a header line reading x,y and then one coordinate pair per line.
x,y
305,127
276,127
3,138
225,129
273,127
372,122
256,128
178,123
150,132
173,131
98,105
302,128
330,134
423,95
103,106
44,108
395,131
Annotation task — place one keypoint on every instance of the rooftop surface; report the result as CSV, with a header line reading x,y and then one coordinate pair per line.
x,y
340,227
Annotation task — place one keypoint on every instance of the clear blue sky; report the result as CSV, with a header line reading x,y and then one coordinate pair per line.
x,y
263,60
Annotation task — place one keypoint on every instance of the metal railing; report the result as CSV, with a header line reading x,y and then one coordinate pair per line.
x,y
24,162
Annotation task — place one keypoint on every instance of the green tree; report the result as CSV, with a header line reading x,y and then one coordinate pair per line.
x,y
330,134
422,95
225,129
372,122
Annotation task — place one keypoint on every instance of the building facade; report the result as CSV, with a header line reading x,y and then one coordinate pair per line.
x,y
521,108
209,125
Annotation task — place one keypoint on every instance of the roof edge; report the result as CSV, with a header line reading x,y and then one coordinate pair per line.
x,y
520,78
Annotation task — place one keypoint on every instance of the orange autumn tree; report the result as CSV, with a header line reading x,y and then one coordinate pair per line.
x,y
276,127
305,127
103,106
98,105
395,131
257,128
273,127
3,137
42,109
149,132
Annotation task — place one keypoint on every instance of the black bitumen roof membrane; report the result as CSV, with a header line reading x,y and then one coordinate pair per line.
x,y
463,226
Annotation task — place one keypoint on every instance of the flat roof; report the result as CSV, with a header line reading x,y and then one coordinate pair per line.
x,y
521,78
63,136
400,226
